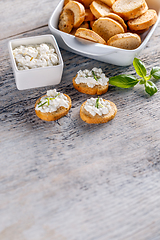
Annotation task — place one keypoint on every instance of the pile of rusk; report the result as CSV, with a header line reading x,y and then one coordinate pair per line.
x,y
117,23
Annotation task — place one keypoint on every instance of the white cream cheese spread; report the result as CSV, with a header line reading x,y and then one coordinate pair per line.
x,y
97,106
92,78
35,56
52,101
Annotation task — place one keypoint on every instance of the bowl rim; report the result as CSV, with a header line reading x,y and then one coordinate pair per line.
x,y
54,43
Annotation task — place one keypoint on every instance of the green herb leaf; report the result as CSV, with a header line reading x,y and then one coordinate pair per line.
x,y
142,82
155,72
148,78
150,88
97,103
139,67
123,81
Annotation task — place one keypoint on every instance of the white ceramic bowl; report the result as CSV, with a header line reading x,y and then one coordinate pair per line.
x,y
98,51
37,77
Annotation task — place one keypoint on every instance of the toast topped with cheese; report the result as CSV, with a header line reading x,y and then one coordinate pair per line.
x,y
97,110
52,106
91,82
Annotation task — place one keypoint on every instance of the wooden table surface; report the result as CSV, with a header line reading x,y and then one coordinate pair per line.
x,y
67,180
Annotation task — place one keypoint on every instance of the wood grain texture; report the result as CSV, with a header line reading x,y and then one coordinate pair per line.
x,y
67,180
19,17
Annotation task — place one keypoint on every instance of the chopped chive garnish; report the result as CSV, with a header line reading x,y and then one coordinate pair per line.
x,y
97,102
42,104
48,101
48,98
55,96
100,104
95,77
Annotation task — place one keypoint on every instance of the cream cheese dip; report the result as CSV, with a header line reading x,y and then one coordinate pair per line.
x,y
97,106
35,56
52,102
92,78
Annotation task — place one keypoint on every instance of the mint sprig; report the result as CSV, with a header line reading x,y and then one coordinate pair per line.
x,y
127,81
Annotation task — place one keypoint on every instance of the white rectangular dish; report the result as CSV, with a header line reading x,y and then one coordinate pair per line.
x,y
36,77
98,51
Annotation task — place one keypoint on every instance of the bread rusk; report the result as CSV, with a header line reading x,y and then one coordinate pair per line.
x,y
90,35
139,32
54,115
117,18
90,84
78,11
97,119
83,25
108,2
89,15
107,27
83,88
91,23
66,1
66,21
127,41
99,9
128,9
86,3
144,21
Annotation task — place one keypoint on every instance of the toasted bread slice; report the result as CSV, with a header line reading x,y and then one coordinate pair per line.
x,y
139,32
90,35
66,21
107,27
66,1
78,11
83,88
144,21
89,15
83,25
117,18
52,116
86,3
108,2
88,118
99,9
127,41
128,9
91,23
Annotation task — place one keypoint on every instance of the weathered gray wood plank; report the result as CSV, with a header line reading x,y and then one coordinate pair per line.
x,y
18,17
69,180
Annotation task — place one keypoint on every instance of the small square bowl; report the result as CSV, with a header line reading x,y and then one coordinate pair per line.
x,y
36,77
100,52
